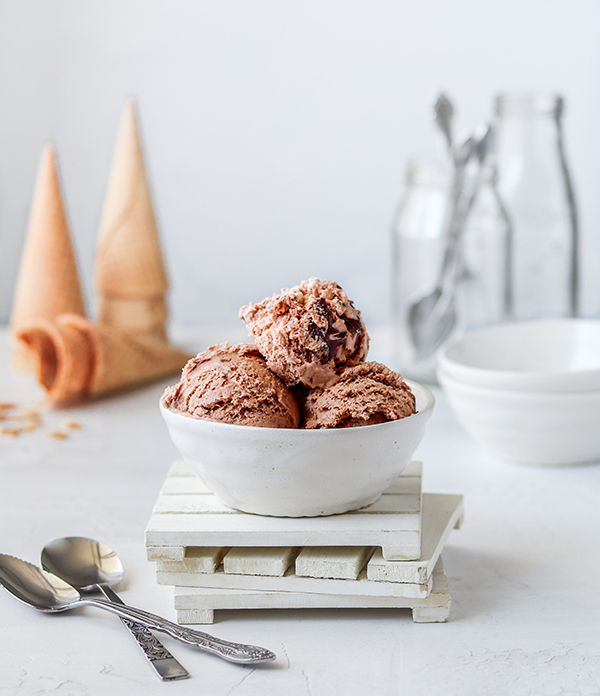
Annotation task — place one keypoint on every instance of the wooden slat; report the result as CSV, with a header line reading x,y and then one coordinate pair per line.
x,y
176,485
183,504
272,561
336,562
165,553
233,530
402,504
195,560
413,469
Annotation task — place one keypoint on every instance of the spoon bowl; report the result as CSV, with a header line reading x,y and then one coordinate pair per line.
x,y
36,587
84,563
444,114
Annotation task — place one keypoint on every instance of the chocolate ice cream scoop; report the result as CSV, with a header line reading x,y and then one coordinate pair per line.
x,y
365,394
233,384
306,333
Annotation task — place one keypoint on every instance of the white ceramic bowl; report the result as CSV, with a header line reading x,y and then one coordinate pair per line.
x,y
531,427
299,473
541,356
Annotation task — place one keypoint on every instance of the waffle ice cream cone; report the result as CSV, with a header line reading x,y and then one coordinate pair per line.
x,y
63,359
48,281
130,276
79,360
122,360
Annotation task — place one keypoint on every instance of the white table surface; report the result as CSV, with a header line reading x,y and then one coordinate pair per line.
x,y
523,573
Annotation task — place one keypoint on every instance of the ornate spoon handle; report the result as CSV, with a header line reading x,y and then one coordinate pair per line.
x,y
232,652
165,665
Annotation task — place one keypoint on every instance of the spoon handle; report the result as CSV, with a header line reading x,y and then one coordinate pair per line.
x,y
165,665
232,652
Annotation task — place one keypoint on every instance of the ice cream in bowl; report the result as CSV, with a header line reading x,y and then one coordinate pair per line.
x,y
298,423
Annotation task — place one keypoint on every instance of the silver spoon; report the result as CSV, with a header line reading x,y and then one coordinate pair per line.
x,y
444,115
92,566
47,592
432,318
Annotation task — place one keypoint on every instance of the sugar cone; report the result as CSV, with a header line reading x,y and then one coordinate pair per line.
x,y
64,359
78,360
130,275
48,281
123,361
136,317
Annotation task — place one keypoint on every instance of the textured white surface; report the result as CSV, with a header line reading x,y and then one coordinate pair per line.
x,y
523,573
186,514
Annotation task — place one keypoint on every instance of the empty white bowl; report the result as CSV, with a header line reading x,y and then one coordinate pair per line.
x,y
299,473
542,356
531,427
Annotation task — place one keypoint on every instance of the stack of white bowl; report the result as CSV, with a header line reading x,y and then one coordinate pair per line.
x,y
529,391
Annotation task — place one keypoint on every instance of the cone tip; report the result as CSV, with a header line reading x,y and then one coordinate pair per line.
x,y
48,158
129,114
130,102
49,149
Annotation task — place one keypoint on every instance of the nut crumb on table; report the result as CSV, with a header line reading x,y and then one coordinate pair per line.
x,y
72,425
32,415
11,432
57,435
17,422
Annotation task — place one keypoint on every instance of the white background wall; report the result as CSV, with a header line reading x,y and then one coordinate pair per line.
x,y
276,131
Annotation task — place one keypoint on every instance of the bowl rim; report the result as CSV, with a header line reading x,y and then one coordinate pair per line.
x,y
526,377
314,432
453,381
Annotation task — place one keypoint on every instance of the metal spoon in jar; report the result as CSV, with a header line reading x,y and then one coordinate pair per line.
x,y
47,592
432,318
443,110
92,566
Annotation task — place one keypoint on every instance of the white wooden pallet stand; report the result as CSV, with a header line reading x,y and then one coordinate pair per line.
x,y
187,514
384,555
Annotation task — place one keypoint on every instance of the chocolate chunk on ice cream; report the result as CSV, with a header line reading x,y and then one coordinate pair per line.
x,y
308,332
233,384
364,394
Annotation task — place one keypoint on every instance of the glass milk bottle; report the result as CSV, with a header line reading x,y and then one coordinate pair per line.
x,y
535,186
418,244
483,293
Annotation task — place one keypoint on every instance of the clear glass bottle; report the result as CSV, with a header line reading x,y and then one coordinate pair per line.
x,y
418,244
535,185
483,293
